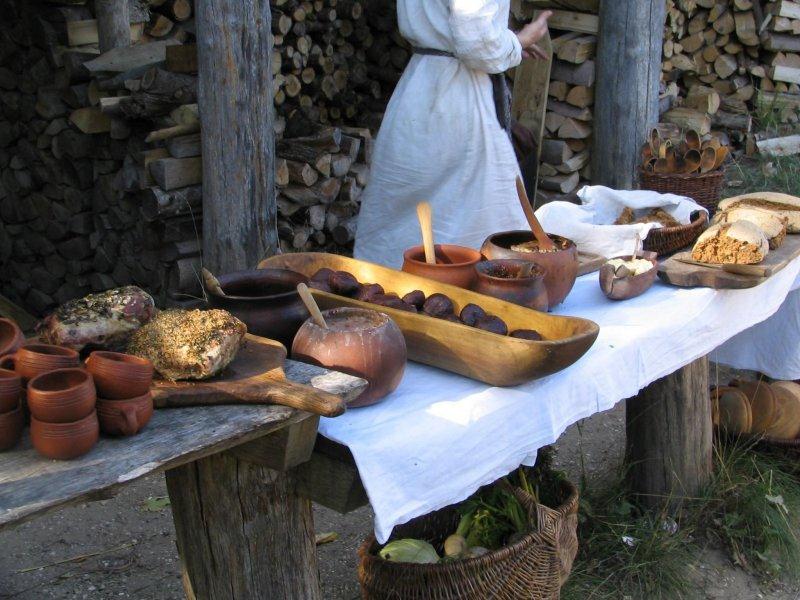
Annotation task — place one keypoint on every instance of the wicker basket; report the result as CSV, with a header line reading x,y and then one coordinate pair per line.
x,y
705,188
533,568
666,240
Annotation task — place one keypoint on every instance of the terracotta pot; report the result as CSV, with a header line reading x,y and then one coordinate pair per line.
x,y
125,417
364,343
266,300
34,359
119,376
61,396
11,337
11,425
63,441
561,266
10,390
501,279
454,264
623,288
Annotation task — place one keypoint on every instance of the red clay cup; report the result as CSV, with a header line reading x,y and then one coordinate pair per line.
x,y
10,390
11,337
125,417
64,441
32,360
120,376
61,396
11,424
455,265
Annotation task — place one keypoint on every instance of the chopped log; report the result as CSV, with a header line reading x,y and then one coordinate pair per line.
x,y
302,173
281,172
323,192
345,232
185,115
582,74
572,129
159,204
185,146
732,121
555,152
781,146
172,173
119,60
85,33
560,183
178,87
113,24
90,120
182,59
171,132
688,118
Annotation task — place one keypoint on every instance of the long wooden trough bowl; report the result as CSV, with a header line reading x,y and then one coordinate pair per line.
x,y
477,354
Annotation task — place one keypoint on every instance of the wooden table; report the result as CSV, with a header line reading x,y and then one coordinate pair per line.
x,y
243,530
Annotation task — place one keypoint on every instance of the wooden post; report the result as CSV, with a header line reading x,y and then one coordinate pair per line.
x,y
234,46
626,94
669,437
113,24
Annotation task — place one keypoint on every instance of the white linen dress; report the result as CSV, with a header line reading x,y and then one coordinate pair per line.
x,y
440,139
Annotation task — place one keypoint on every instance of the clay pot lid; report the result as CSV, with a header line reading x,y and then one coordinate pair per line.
x,y
734,412
490,269
786,424
762,403
55,382
453,256
240,279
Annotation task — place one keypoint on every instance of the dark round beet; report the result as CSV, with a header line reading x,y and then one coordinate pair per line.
x,y
417,298
390,301
323,286
365,292
321,276
471,313
527,334
438,305
344,283
493,324
407,307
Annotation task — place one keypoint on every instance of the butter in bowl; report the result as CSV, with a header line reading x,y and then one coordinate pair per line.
x,y
626,277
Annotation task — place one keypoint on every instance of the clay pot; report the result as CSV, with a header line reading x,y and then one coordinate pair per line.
x,y
364,343
266,300
623,288
63,441
516,281
561,267
10,390
34,359
455,265
125,417
11,425
61,396
119,376
11,337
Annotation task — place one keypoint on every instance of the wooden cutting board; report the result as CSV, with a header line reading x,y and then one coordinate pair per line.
x,y
254,377
681,270
589,263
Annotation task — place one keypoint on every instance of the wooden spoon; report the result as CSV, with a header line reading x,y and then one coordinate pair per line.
x,y
425,216
693,159
211,283
708,158
311,305
545,243
693,140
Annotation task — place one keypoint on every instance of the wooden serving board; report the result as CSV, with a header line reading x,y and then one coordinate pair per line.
x,y
254,377
589,263
682,271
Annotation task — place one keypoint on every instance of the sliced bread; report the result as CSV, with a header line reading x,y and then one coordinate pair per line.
x,y
782,204
772,224
739,243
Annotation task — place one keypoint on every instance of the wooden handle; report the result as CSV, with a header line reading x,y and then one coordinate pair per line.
x,y
545,243
425,216
311,305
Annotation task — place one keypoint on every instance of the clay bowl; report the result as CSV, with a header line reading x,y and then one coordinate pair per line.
x,y
63,441
623,288
11,337
455,265
361,342
125,417
34,359
61,396
10,390
119,376
266,300
516,281
561,267
11,425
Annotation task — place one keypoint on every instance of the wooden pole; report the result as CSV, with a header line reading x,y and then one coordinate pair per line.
x,y
669,437
234,46
113,24
626,94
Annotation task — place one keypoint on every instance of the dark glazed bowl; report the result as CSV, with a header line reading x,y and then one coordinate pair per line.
x,y
63,441
624,288
266,300
11,425
61,396
10,390
11,337
455,265
119,376
360,342
561,267
125,417
34,359
501,279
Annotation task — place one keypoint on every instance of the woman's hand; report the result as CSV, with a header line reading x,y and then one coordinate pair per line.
x,y
532,33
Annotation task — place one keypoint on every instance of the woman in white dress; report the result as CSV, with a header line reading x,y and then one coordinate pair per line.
x,y
441,139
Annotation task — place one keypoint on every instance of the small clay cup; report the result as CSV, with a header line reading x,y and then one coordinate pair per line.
x,y
124,417
34,359
61,396
11,425
517,281
455,265
11,337
119,376
64,441
10,390
364,343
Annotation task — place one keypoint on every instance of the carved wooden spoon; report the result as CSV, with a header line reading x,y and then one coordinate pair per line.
x,y
545,243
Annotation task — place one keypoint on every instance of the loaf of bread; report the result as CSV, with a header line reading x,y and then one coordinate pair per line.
x,y
783,205
771,223
740,243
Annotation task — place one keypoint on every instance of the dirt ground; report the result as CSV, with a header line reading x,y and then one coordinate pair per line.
x,y
125,547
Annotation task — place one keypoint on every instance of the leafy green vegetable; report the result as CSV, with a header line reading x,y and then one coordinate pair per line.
x,y
409,551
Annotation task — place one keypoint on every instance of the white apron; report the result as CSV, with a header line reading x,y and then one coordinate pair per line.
x,y
440,139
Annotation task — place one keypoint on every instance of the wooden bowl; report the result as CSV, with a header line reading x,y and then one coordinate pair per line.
x,y
10,390
455,265
125,417
266,300
763,403
64,441
34,359
118,376
61,396
731,410
561,267
624,288
786,424
11,337
11,425
501,279
364,343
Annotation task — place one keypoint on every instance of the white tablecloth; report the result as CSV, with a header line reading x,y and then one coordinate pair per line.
x,y
439,436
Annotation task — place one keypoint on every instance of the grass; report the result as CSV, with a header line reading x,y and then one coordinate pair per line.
x,y
760,173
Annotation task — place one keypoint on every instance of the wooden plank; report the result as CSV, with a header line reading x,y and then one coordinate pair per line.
x,y
782,146
783,73
574,21
282,450
784,8
331,478
119,60
84,33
